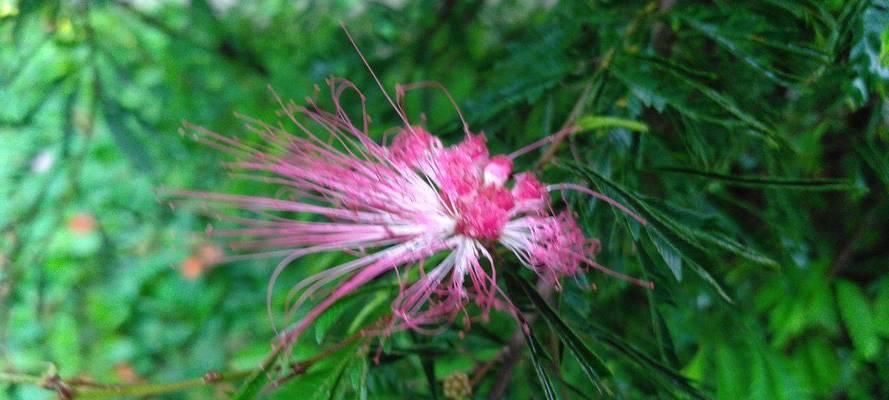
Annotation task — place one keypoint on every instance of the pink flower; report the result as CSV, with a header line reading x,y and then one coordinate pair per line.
x,y
394,207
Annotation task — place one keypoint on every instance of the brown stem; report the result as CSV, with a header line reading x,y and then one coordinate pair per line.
x,y
509,356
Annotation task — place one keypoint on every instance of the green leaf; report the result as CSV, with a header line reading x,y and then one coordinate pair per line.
x,y
819,356
881,308
682,238
260,377
64,343
429,371
675,87
538,359
667,225
651,367
730,43
765,381
321,383
331,316
767,182
730,372
533,66
659,93
734,248
668,253
125,137
361,381
659,325
592,122
857,315
731,106
876,160
591,363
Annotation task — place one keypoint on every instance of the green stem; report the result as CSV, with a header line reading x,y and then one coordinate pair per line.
x,y
21,379
151,389
85,390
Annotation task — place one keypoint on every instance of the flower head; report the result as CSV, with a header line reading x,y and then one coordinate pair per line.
x,y
395,206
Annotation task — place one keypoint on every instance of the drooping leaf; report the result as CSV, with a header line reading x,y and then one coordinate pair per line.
x,y
685,240
730,372
429,371
538,361
876,160
591,363
767,182
667,226
731,44
532,67
669,254
661,332
881,311
707,104
649,366
858,318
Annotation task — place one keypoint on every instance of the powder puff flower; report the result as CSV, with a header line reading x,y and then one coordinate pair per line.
x,y
395,206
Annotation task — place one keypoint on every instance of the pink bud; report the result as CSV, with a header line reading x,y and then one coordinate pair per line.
x,y
498,170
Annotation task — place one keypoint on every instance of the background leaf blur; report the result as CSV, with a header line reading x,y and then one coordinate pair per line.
x,y
753,136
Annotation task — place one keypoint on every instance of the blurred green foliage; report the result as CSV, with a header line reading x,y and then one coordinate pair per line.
x,y
754,137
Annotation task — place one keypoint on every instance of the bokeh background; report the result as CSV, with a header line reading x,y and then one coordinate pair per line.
x,y
754,135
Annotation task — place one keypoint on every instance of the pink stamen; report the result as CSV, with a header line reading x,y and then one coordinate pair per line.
x,y
600,196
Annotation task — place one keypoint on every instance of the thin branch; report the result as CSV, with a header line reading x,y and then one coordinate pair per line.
x,y
76,388
20,379
93,391
509,357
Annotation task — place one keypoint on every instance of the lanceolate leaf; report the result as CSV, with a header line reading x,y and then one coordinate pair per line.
x,y
668,226
857,315
429,370
767,182
532,67
602,336
649,364
658,324
669,253
703,240
688,241
658,94
591,363
645,85
877,160
538,360
730,44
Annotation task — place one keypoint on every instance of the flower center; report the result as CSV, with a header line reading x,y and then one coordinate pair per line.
x,y
484,213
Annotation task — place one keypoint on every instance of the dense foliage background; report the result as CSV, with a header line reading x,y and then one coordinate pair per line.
x,y
754,136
